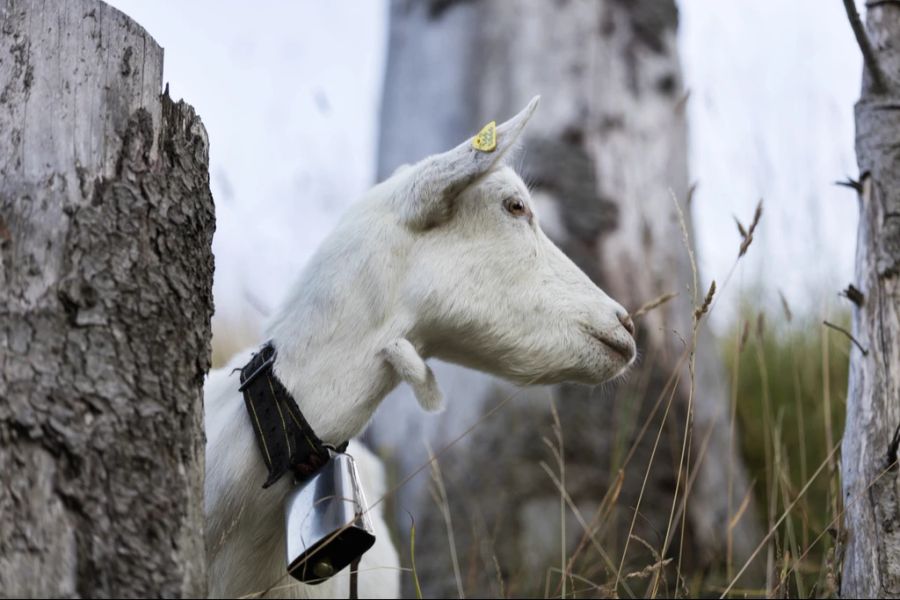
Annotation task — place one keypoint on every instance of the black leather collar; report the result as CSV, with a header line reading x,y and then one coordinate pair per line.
x,y
285,438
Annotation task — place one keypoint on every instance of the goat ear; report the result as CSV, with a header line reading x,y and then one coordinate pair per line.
x,y
411,368
435,182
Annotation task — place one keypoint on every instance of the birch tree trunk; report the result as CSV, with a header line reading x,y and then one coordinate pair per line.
x,y
106,223
604,154
869,469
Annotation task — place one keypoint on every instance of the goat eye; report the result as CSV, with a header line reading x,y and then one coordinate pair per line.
x,y
515,206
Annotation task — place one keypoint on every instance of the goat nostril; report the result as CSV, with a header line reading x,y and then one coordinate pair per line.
x,y
627,323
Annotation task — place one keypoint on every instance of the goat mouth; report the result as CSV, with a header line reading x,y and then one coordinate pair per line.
x,y
620,347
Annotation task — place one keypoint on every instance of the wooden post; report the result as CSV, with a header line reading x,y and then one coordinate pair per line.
x,y
106,223
869,470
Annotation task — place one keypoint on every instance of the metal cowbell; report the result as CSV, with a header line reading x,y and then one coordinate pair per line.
x,y
327,522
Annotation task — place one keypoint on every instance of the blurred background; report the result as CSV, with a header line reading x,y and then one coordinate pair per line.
x,y
669,481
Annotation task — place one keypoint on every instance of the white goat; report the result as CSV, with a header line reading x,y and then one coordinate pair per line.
x,y
445,258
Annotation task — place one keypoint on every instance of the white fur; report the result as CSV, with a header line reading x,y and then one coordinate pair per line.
x,y
410,367
427,263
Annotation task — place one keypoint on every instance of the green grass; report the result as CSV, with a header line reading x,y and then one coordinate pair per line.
x,y
789,380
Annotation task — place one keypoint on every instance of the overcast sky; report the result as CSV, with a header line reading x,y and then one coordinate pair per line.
x,y
772,86
289,93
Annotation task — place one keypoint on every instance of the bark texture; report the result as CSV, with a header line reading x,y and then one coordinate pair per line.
x,y
106,223
869,469
604,154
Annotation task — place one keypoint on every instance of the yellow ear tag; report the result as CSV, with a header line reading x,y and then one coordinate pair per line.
x,y
486,140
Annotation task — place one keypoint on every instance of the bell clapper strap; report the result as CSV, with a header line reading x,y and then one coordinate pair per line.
x,y
354,579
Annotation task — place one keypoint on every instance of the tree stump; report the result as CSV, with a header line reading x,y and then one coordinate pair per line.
x,y
106,223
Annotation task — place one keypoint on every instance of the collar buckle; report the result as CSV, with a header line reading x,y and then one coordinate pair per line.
x,y
265,365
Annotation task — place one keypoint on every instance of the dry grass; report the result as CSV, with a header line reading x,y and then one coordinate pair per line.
x,y
789,381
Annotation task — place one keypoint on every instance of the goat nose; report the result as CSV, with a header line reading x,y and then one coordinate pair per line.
x,y
627,323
